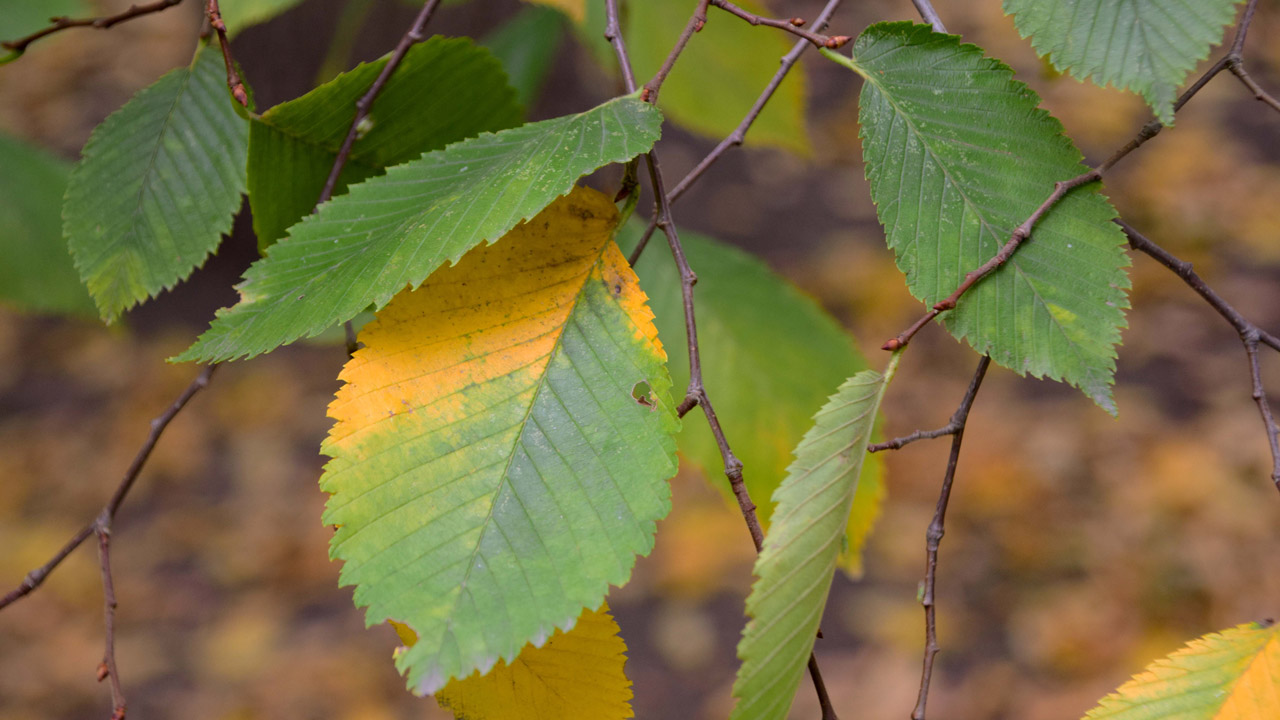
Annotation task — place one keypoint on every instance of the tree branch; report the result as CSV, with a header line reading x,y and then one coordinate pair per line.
x,y
107,668
954,425
933,538
739,134
1250,334
214,14
925,8
651,88
794,25
58,24
1060,190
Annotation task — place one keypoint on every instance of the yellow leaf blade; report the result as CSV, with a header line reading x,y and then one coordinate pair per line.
x,y
576,675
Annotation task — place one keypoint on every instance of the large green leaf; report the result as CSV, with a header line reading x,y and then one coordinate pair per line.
x,y
751,322
502,444
36,272
795,569
1147,46
158,185
445,90
527,44
958,155
720,74
393,231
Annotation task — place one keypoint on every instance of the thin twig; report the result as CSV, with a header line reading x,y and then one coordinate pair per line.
x,y
214,13
696,393
954,425
58,24
651,88
1235,59
933,538
925,8
794,25
365,103
739,134
1250,334
107,669
1060,189
36,577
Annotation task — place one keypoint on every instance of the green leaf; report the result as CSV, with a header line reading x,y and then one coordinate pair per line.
x,y
1147,46
1232,675
795,569
393,231
527,44
751,322
494,469
157,186
445,90
241,14
36,272
739,60
958,155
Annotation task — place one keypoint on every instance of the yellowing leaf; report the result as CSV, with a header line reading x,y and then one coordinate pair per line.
x,y
493,473
577,675
576,9
1232,675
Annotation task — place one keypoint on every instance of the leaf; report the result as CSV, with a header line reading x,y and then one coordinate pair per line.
x,y
575,9
958,154
795,569
241,14
770,357
444,90
157,186
395,230
1147,46
1232,675
527,44
36,272
492,473
577,674
742,60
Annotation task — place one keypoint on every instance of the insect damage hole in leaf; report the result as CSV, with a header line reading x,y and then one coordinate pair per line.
x,y
643,395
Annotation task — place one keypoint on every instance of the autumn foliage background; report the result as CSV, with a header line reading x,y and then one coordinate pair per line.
x,y
1078,547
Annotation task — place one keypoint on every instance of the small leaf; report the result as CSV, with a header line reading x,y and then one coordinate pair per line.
x,y
577,674
751,322
740,59
444,90
492,474
157,187
527,44
795,569
1147,46
958,155
393,231
36,272
241,14
1232,675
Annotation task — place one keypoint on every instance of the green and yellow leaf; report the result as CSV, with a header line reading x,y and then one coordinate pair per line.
x,y
950,185
157,186
1232,675
502,444
578,675
394,230
796,566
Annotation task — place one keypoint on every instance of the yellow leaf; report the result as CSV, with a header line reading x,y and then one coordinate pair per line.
x,y
576,675
575,9
1232,675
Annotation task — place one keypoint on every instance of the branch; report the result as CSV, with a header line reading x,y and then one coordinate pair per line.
x,y
696,393
739,134
234,84
107,668
37,576
933,537
1235,59
925,8
1060,189
794,25
650,91
1250,334
953,426
58,24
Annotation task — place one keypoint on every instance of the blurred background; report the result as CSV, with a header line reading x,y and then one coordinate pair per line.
x,y
1078,547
